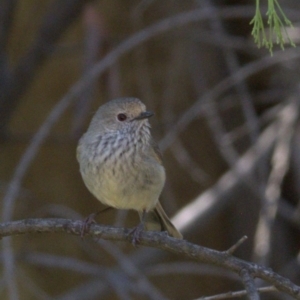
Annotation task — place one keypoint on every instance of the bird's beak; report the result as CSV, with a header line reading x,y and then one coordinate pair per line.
x,y
144,115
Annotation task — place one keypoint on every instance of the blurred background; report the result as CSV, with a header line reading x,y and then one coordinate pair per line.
x,y
226,119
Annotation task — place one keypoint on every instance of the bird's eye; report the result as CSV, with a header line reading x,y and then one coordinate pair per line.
x,y
122,117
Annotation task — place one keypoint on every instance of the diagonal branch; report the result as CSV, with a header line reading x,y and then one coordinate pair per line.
x,y
156,240
237,294
249,284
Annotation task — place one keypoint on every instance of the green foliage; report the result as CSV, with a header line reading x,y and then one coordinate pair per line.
x,y
277,22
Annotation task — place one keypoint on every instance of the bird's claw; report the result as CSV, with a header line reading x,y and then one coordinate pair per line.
x,y
86,224
135,234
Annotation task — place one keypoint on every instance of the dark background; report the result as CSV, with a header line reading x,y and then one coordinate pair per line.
x,y
218,101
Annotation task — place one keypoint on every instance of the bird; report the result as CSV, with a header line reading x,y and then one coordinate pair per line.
x,y
121,165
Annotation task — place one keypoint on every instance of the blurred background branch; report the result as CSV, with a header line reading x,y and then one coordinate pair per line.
x,y
226,119
59,17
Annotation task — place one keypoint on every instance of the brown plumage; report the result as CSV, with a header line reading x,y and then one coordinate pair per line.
x,y
121,164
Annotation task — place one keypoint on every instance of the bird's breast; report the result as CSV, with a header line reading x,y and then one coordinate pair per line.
x,y
120,174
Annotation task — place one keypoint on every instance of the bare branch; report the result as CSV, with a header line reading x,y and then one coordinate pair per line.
x,y
156,240
237,294
249,285
233,248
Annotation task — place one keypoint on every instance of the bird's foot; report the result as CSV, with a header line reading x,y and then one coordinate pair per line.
x,y
86,224
135,234
91,220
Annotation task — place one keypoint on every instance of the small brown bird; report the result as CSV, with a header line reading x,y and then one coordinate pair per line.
x,y
121,165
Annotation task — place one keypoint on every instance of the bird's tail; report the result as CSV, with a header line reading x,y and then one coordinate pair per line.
x,y
157,220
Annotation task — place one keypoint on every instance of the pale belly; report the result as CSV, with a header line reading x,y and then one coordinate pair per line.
x,y
136,188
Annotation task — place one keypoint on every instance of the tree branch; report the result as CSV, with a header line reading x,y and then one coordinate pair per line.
x,y
237,294
156,240
249,284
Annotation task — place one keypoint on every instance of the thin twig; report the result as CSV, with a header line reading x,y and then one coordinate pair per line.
x,y
249,284
237,294
233,248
